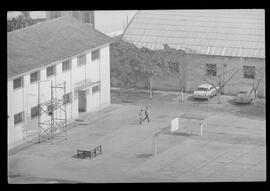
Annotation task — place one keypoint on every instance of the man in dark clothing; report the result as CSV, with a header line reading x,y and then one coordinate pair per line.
x,y
146,113
140,116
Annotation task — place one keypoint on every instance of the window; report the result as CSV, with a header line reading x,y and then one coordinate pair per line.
x,y
66,65
34,111
34,77
18,83
81,60
18,118
50,109
249,72
87,17
95,89
67,98
174,67
95,54
211,69
51,71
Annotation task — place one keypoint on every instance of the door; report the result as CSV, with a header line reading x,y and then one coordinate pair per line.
x,y
82,101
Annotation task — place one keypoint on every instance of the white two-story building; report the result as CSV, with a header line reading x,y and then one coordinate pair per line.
x,y
53,52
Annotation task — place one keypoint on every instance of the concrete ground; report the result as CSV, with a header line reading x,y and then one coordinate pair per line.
x,y
232,147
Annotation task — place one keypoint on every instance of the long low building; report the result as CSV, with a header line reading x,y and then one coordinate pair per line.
x,y
209,40
53,52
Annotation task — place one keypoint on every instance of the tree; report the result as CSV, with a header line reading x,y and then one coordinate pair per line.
x,y
149,66
257,81
124,58
219,77
257,76
127,59
177,67
20,21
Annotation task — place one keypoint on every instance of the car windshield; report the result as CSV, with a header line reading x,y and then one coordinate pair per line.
x,y
202,89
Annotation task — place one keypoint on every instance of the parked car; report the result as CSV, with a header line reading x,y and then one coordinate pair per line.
x,y
245,95
205,91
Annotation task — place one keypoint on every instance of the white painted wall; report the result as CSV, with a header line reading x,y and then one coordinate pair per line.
x,y
23,99
105,76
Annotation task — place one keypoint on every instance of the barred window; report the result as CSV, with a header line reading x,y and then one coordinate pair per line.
x,y
18,118
81,60
51,71
95,89
174,66
66,65
249,72
50,109
67,98
35,76
211,69
95,54
35,111
17,83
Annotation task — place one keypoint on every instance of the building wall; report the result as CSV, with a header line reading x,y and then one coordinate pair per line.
x,y
105,76
196,68
26,97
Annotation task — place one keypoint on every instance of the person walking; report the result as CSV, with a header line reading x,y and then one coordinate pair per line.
x,y
140,116
146,113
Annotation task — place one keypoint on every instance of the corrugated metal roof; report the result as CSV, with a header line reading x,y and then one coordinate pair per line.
x,y
41,44
221,32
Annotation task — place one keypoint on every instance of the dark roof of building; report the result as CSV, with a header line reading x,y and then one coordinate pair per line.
x,y
41,44
239,33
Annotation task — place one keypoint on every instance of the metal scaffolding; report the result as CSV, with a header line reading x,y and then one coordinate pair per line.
x,y
56,126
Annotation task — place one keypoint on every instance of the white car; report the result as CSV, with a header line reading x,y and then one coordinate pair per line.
x,y
205,91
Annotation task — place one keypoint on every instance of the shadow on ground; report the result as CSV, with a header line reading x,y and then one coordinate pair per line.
x,y
254,109
191,98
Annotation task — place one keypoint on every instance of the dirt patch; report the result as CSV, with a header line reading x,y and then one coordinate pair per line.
x,y
14,176
240,127
255,109
130,96
111,109
163,116
99,134
144,155
168,97
177,134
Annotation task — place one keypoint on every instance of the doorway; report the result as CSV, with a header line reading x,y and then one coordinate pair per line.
x,y
82,101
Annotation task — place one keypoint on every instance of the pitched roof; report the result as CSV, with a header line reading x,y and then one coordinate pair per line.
x,y
41,44
221,32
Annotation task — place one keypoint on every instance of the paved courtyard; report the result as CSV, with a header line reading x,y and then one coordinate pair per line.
x,y
232,147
